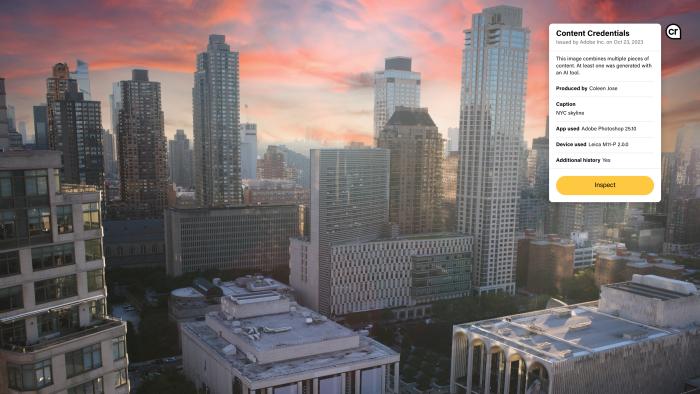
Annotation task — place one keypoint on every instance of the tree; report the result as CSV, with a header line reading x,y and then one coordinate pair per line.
x,y
170,382
580,288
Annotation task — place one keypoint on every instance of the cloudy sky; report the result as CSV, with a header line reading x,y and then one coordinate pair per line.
x,y
306,66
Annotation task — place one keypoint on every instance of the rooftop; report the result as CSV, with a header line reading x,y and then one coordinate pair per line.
x,y
565,332
367,350
404,116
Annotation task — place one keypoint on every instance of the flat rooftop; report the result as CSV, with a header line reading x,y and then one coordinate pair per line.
x,y
367,350
565,332
291,329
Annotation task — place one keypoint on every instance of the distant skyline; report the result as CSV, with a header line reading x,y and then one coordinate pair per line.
x,y
306,67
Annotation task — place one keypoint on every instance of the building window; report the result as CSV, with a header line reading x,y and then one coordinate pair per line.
x,y
122,378
95,279
64,217
11,298
91,216
91,387
8,225
5,184
39,221
58,321
36,183
119,348
82,360
55,289
93,249
9,263
13,333
30,376
98,310
52,256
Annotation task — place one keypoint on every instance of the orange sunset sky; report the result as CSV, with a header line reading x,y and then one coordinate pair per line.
x,y
306,66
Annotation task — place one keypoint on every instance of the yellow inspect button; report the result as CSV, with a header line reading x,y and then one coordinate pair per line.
x,y
605,185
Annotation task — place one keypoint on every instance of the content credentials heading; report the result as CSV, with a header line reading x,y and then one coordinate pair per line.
x,y
592,33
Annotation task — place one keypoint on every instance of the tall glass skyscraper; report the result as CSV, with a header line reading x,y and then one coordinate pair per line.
x,y
395,86
216,125
494,71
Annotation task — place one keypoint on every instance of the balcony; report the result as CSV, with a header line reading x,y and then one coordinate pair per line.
x,y
105,324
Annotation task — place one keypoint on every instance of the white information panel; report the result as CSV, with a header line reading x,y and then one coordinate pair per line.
x,y
604,112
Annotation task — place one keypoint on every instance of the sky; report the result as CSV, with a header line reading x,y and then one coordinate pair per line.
x,y
306,67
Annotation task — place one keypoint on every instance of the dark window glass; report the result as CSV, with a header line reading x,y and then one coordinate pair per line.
x,y
85,359
11,298
29,376
8,225
93,249
64,217
58,321
39,221
9,263
55,289
91,216
13,333
119,348
52,256
95,279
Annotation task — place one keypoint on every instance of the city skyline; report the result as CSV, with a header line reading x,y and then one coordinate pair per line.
x,y
302,88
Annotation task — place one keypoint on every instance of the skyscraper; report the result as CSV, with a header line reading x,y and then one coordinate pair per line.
x,y
272,165
349,203
109,150
75,129
82,76
415,175
56,87
115,104
216,125
180,160
143,168
683,223
394,86
491,130
4,126
249,150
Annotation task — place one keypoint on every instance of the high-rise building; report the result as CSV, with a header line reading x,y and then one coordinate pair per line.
x,y
491,130
272,165
641,337
22,130
394,86
260,341
349,203
274,191
450,171
581,217
415,173
249,150
180,160
4,125
452,140
683,223
245,238
216,125
75,129
109,150
115,104
143,168
82,76
55,334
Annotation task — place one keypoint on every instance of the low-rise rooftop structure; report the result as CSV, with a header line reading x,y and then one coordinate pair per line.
x,y
612,345
264,341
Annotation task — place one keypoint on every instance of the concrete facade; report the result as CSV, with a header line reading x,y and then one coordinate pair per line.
x,y
53,288
264,343
599,347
